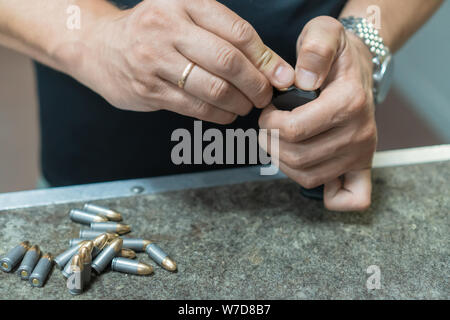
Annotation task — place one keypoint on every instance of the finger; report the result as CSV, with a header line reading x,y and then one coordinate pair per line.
x,y
179,101
206,86
315,150
220,20
351,193
318,46
221,58
338,102
322,173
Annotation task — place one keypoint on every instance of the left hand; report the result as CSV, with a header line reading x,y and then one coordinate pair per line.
x,y
330,140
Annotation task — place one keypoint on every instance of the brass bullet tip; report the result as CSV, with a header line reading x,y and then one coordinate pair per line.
x,y
108,213
123,228
127,253
89,244
116,244
24,273
169,264
112,235
35,247
100,219
5,265
114,216
101,241
25,244
144,269
77,264
35,282
85,255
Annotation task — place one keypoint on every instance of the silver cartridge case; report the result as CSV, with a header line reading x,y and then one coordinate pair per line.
x,y
41,271
67,270
130,266
91,234
14,256
75,241
62,259
84,217
105,257
108,213
113,227
137,245
160,257
29,262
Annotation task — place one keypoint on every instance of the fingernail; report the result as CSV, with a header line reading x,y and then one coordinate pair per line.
x,y
284,75
306,79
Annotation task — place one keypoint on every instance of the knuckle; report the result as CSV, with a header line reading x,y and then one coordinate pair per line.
x,y
219,89
154,87
152,18
317,47
227,59
296,160
309,181
142,52
140,89
291,132
359,98
202,109
242,32
369,135
330,23
264,59
263,92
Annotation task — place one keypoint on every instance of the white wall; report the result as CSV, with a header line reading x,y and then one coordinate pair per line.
x,y
423,71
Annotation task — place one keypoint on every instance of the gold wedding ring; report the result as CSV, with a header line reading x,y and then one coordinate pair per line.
x,y
185,75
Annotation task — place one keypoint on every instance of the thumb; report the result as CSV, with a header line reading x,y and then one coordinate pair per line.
x,y
351,193
318,46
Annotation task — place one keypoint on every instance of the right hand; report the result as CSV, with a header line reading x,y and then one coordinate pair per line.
x,y
135,58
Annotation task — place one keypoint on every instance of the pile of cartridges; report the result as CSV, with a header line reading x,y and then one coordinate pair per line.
x,y
97,248
33,267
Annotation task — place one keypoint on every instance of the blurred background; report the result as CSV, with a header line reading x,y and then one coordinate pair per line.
x,y
416,113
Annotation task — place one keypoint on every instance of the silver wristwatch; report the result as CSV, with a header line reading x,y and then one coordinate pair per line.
x,y
383,62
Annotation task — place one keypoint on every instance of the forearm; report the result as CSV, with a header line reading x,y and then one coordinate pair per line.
x,y
39,29
400,19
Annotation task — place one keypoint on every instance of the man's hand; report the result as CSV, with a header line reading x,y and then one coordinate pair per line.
x,y
330,140
135,58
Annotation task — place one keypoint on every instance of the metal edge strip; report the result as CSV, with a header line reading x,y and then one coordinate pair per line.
x,y
124,188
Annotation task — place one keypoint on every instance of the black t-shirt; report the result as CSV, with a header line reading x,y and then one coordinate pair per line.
x,y
84,139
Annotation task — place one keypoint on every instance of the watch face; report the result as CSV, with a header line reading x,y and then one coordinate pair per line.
x,y
383,79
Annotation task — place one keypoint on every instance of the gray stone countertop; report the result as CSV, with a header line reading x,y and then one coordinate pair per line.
x,y
263,240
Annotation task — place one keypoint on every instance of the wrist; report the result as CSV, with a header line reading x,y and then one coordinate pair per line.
x,y
363,52
72,51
